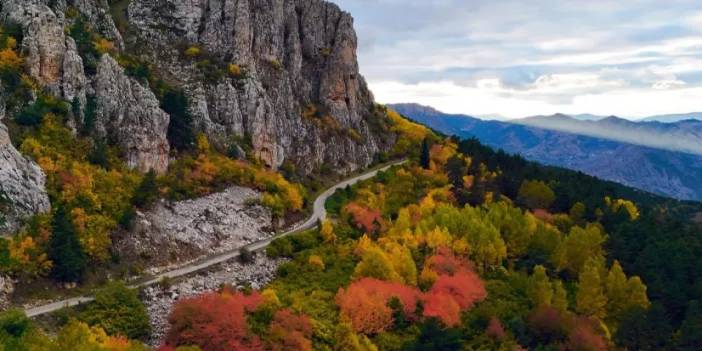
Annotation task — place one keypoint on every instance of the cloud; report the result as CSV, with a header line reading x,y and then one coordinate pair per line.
x,y
537,56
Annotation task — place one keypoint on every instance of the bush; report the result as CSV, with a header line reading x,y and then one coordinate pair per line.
x,y
246,256
280,247
118,310
147,192
180,129
192,51
34,114
234,70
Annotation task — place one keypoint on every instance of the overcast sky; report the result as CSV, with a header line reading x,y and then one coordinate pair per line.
x,y
630,58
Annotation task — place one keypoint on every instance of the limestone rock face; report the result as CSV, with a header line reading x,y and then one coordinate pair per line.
x,y
22,191
128,114
44,44
51,57
298,98
294,55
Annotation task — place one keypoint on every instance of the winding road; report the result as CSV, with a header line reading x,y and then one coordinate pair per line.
x,y
319,212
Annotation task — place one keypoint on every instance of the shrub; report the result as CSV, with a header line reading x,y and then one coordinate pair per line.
x,y
246,256
180,134
193,51
234,70
118,310
280,247
34,114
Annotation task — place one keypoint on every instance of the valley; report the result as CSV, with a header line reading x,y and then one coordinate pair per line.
x,y
660,171
217,175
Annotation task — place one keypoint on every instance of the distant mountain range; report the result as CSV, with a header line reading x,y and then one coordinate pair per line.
x,y
674,118
665,172
685,135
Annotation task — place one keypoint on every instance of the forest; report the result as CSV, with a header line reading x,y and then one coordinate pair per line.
x,y
463,248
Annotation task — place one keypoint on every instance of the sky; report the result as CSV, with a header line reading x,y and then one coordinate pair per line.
x,y
516,58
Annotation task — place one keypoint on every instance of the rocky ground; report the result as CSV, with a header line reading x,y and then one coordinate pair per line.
x,y
159,299
172,234
6,289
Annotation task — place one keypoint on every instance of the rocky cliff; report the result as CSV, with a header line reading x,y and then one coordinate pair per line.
x,y
22,190
295,56
281,75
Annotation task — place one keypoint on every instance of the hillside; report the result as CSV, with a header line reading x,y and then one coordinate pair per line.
x,y
214,175
674,174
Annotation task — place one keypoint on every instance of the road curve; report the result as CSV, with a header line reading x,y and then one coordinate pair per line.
x,y
319,212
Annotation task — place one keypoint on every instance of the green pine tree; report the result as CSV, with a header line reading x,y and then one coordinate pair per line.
x,y
425,159
65,251
147,192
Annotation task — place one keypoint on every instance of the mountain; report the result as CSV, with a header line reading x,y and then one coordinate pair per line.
x,y
674,117
588,117
248,71
674,174
683,136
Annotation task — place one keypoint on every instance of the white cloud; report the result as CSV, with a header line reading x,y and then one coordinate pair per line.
x,y
453,98
630,58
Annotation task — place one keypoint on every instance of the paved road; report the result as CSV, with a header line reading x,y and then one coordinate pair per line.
x,y
319,212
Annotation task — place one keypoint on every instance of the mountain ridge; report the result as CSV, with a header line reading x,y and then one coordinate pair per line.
x,y
663,172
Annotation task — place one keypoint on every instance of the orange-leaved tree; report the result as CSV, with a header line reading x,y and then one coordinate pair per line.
x,y
214,322
365,303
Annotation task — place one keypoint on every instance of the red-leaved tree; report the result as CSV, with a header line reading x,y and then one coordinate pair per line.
x,y
290,331
365,302
445,262
214,322
457,286
369,220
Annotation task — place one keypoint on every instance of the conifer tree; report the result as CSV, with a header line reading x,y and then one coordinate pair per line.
x,y
540,290
147,192
65,251
616,290
591,300
691,329
425,158
560,296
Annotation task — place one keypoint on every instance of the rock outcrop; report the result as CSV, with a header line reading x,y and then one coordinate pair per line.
x,y
178,232
280,74
22,191
296,56
128,114
51,57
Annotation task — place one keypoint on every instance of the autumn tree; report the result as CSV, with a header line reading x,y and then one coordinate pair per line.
x,y
326,229
290,331
591,299
65,251
452,294
540,290
560,296
376,264
580,245
583,337
365,303
535,194
214,322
